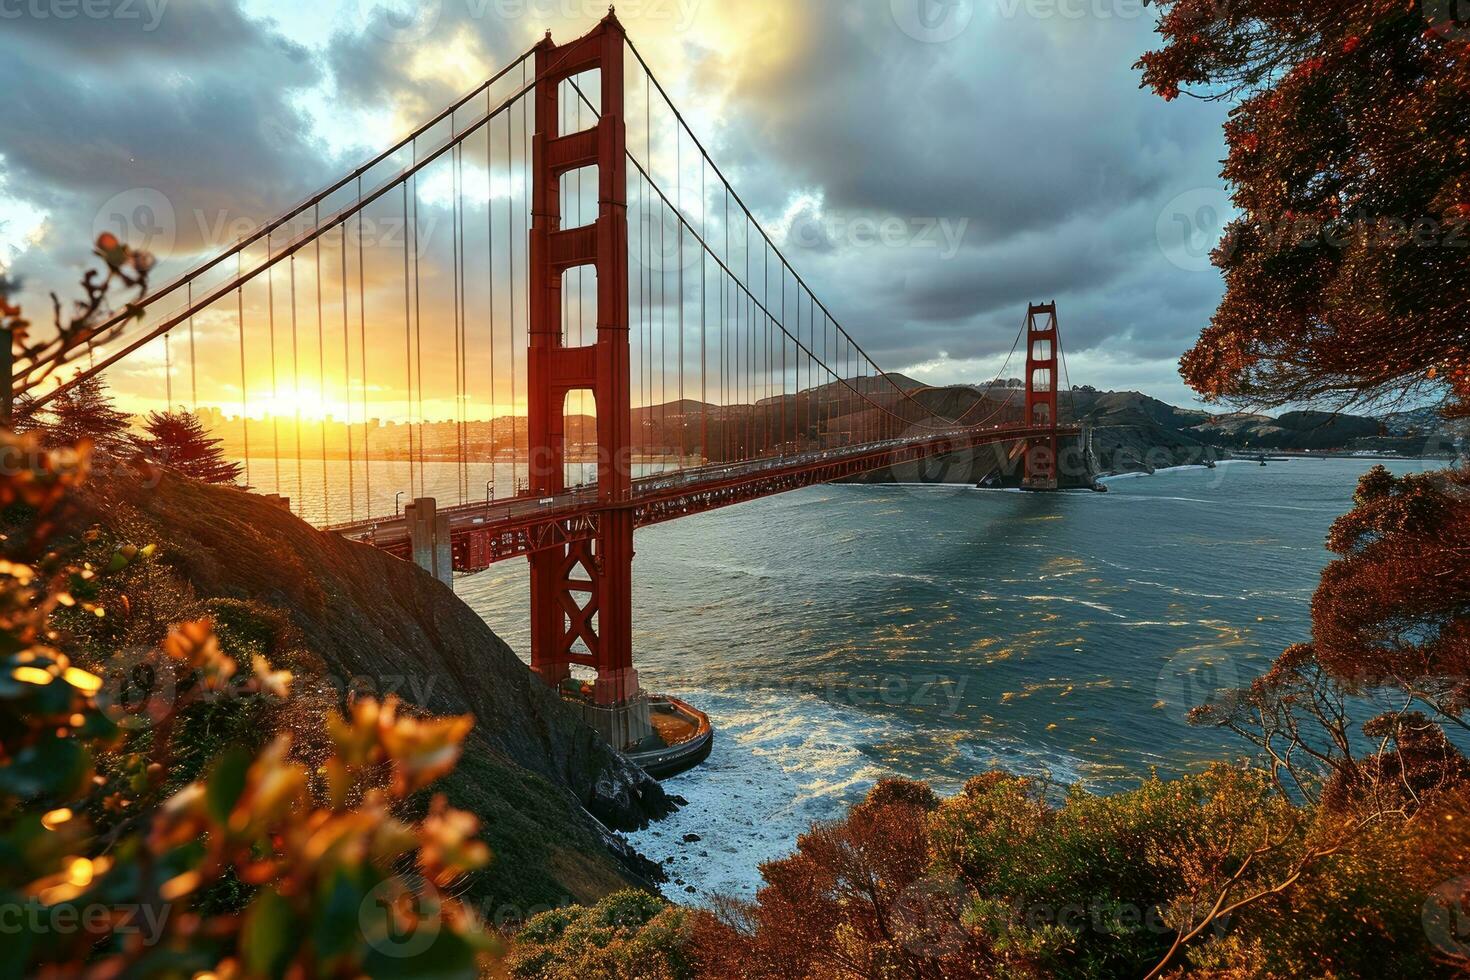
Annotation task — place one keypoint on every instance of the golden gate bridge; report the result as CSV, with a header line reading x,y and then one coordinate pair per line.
x,y
619,270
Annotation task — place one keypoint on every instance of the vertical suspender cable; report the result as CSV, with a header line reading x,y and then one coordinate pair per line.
x,y
347,389
244,386
270,292
703,314
490,241
300,497
367,446
511,240
193,357
418,326
679,203
457,215
528,163
321,368
407,342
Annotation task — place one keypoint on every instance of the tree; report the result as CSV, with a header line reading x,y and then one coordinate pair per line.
x,y
85,412
1348,278
130,848
1394,608
1348,272
121,861
179,440
627,934
92,321
1212,874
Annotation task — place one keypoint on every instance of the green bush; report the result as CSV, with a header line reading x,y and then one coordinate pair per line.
x,y
629,934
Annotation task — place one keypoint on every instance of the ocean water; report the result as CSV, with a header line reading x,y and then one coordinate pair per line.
x,y
843,633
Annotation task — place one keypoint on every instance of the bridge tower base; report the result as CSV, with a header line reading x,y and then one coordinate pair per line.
x,y
1042,350
582,593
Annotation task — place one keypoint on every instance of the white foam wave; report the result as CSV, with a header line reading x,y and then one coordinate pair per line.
x,y
780,763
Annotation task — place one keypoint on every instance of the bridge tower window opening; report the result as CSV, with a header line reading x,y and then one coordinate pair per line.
x,y
579,306
579,447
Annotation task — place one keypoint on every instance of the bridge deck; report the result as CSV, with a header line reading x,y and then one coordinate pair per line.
x,y
483,534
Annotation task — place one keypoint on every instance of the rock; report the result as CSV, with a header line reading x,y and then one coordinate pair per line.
x,y
691,838
624,797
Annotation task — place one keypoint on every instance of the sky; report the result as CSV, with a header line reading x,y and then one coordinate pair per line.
x,y
1003,147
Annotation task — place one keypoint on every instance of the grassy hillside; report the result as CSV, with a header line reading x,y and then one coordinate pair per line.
x,y
344,616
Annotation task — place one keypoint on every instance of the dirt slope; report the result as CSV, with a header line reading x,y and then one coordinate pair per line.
x,y
531,771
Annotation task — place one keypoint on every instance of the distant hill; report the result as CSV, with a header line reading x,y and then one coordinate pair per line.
x,y
1293,430
1131,430
1130,408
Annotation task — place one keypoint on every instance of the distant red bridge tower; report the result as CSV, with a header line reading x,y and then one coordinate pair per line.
x,y
1042,345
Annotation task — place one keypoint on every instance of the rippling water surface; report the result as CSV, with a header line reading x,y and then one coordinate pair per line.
x,y
842,633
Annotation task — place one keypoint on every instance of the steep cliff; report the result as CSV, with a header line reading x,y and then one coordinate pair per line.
x,y
356,619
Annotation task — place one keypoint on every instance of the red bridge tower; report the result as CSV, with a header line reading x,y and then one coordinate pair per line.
x,y
1042,344
582,593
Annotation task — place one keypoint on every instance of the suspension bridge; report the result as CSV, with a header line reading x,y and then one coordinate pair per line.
x,y
604,326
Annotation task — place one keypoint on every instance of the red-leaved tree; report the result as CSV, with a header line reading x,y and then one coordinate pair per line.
x,y
1348,272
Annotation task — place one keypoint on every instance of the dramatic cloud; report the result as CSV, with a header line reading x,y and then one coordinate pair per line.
x,y
929,166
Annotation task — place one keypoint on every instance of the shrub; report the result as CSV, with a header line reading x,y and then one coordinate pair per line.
x,y
262,866
628,934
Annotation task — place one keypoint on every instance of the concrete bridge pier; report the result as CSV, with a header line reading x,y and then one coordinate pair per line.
x,y
428,537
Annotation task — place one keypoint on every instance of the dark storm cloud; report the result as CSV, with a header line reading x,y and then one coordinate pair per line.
x,y
193,119
112,31
1028,132
1032,130
372,59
